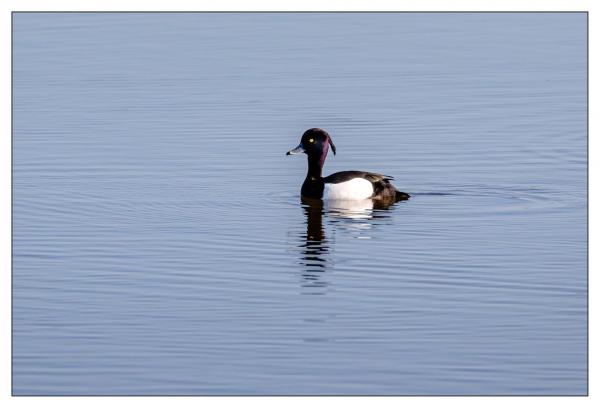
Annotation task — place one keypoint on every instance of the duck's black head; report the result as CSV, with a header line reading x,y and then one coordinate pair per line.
x,y
315,143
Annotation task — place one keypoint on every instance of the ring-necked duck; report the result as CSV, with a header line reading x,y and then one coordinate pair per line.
x,y
344,185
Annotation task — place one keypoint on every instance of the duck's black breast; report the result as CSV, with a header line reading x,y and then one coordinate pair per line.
x,y
313,187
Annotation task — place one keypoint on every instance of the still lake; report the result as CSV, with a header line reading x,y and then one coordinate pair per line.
x,y
160,245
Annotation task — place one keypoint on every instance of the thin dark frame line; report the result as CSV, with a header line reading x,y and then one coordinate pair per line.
x,y
295,12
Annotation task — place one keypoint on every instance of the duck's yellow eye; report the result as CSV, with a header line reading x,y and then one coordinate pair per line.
x,y
311,140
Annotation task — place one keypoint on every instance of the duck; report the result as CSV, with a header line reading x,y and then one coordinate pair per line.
x,y
343,185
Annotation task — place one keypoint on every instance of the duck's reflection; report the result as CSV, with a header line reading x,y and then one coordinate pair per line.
x,y
356,217
315,247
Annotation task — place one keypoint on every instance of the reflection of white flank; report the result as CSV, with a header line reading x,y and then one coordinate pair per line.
x,y
353,209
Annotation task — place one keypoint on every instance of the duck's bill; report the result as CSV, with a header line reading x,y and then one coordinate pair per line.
x,y
296,150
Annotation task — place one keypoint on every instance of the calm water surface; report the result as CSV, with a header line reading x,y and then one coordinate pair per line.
x,y
161,247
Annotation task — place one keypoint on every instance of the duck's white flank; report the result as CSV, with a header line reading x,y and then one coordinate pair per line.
x,y
355,189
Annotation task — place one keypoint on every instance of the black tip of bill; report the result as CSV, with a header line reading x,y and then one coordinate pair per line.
x,y
296,150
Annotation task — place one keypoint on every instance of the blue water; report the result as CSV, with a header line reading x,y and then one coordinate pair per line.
x,y
160,245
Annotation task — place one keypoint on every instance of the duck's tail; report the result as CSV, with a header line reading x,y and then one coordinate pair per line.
x,y
401,196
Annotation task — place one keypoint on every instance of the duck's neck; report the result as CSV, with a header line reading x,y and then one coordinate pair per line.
x,y
315,167
313,184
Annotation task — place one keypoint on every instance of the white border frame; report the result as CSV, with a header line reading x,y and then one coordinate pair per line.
x,y
6,8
